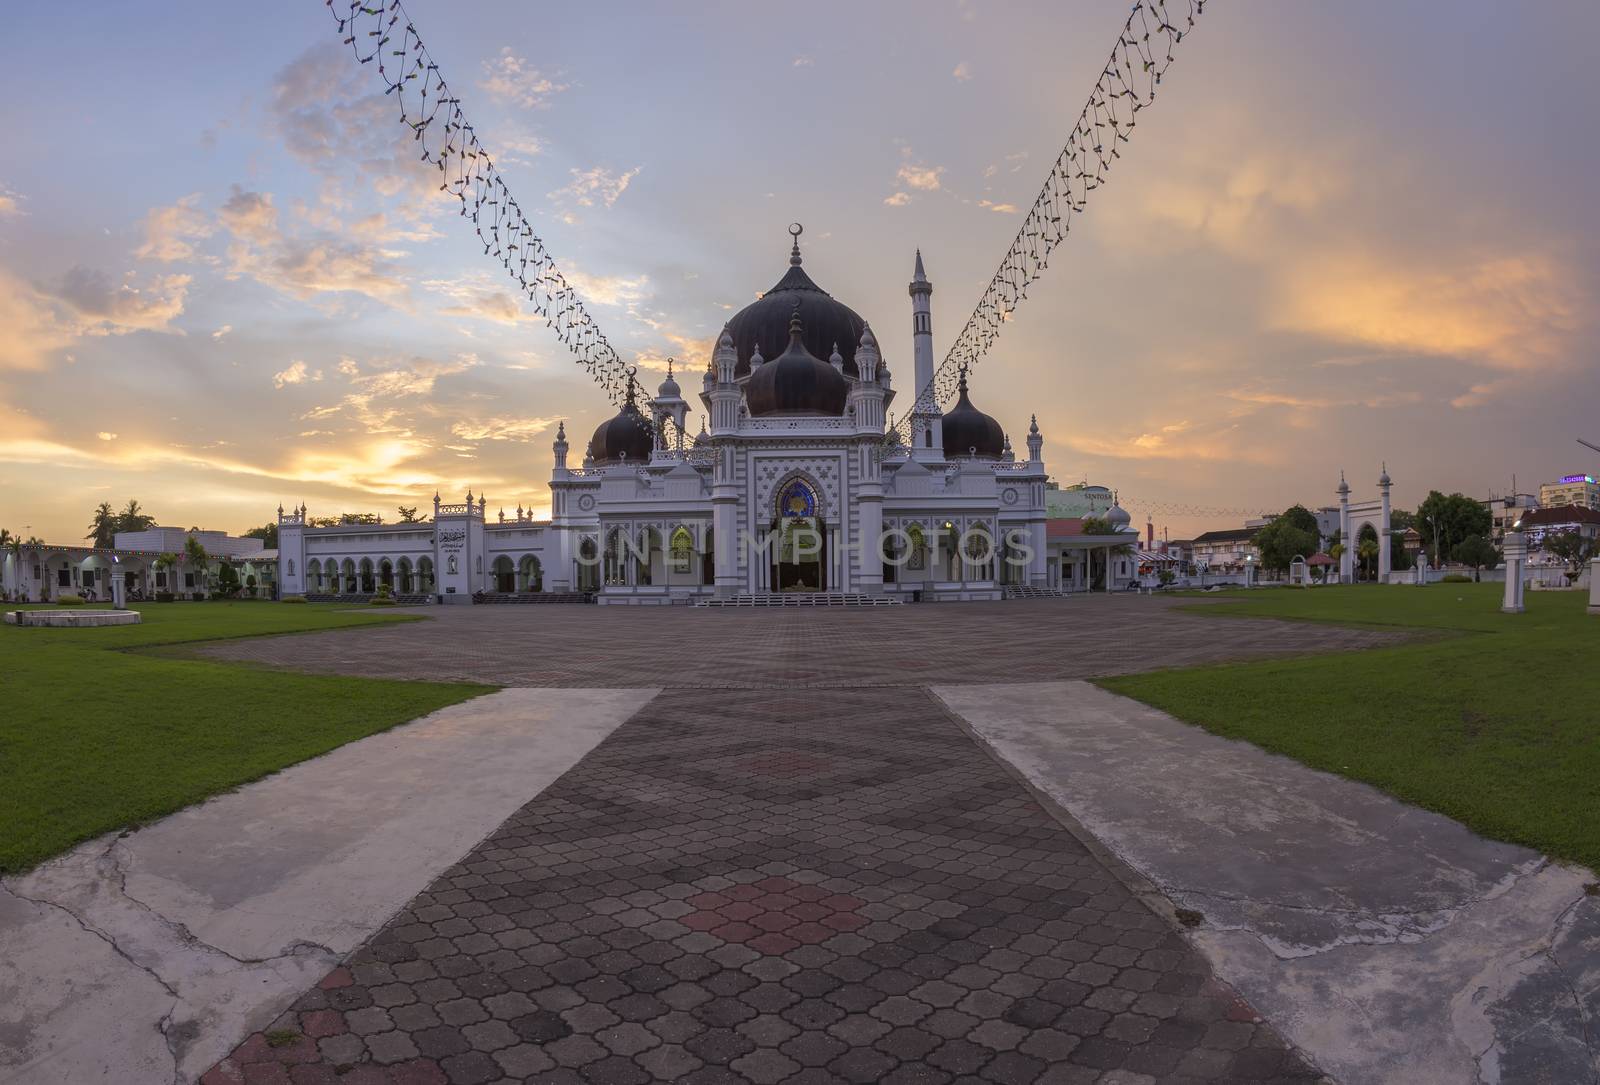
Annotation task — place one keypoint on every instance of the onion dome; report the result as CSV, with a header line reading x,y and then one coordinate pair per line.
x,y
797,381
626,435
969,432
1383,479
669,388
765,322
1117,516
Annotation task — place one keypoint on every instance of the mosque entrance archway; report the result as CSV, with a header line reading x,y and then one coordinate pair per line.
x,y
800,544
505,575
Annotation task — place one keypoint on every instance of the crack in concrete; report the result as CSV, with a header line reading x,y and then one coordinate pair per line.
x,y
1391,928
111,874
181,930
109,940
91,929
1567,919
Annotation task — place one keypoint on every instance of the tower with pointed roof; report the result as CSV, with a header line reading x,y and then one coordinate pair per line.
x,y
927,436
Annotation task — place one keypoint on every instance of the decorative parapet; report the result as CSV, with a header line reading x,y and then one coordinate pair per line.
x,y
469,510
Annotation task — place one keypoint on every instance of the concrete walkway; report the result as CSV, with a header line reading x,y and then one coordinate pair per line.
x,y
144,957
1389,943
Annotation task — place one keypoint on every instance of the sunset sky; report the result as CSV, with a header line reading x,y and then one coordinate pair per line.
x,y
1345,233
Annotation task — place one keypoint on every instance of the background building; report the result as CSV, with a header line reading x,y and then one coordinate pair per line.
x,y
1580,490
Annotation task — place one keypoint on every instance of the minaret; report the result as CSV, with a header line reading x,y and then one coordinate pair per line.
x,y
1035,441
927,437
560,446
725,394
1346,559
1385,558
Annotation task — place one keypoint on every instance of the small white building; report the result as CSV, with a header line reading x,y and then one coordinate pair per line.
x,y
149,563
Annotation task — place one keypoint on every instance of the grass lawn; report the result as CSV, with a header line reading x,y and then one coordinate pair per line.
x,y
93,738
1495,721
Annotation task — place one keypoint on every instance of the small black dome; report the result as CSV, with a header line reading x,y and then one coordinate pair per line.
x,y
965,429
797,381
625,434
765,322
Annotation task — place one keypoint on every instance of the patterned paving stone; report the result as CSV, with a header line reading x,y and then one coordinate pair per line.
x,y
592,646
772,886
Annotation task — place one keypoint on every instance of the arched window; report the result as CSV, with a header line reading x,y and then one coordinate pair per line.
x,y
425,574
530,574
797,498
682,549
291,566
649,545
588,564
616,556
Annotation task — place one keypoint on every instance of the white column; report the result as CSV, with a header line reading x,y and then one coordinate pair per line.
x,y
724,505
1594,587
869,548
1385,562
1515,551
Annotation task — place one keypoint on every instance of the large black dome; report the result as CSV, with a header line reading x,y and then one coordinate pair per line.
x,y
797,381
765,322
627,434
967,431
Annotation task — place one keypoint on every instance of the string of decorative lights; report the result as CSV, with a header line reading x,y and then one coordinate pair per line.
x,y
1126,86
383,32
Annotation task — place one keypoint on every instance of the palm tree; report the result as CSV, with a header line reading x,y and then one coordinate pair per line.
x,y
13,544
195,555
1367,551
133,518
103,530
165,564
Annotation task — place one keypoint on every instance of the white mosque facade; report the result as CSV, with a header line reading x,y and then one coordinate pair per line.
x,y
789,488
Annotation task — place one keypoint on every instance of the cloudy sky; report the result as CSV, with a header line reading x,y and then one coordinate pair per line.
x,y
1345,233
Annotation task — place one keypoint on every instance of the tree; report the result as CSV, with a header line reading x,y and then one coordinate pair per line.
x,y
345,518
103,529
1283,540
1445,521
1400,519
165,564
1303,518
196,557
1573,549
1367,549
408,514
227,579
267,533
13,544
1476,551
133,518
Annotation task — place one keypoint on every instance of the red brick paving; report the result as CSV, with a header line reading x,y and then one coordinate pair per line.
x,y
890,906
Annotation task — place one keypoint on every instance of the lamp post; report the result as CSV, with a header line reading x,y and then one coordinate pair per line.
x,y
1249,568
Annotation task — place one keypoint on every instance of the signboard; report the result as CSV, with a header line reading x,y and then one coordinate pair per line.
x,y
1577,478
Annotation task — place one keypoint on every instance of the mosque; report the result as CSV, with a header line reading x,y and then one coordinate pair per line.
x,y
788,489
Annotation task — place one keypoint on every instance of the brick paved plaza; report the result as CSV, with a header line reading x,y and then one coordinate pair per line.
x,y
591,646
773,884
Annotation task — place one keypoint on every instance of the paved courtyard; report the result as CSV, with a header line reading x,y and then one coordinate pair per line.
x,y
825,886
751,881
591,646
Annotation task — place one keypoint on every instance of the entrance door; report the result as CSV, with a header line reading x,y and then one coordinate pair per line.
x,y
802,554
